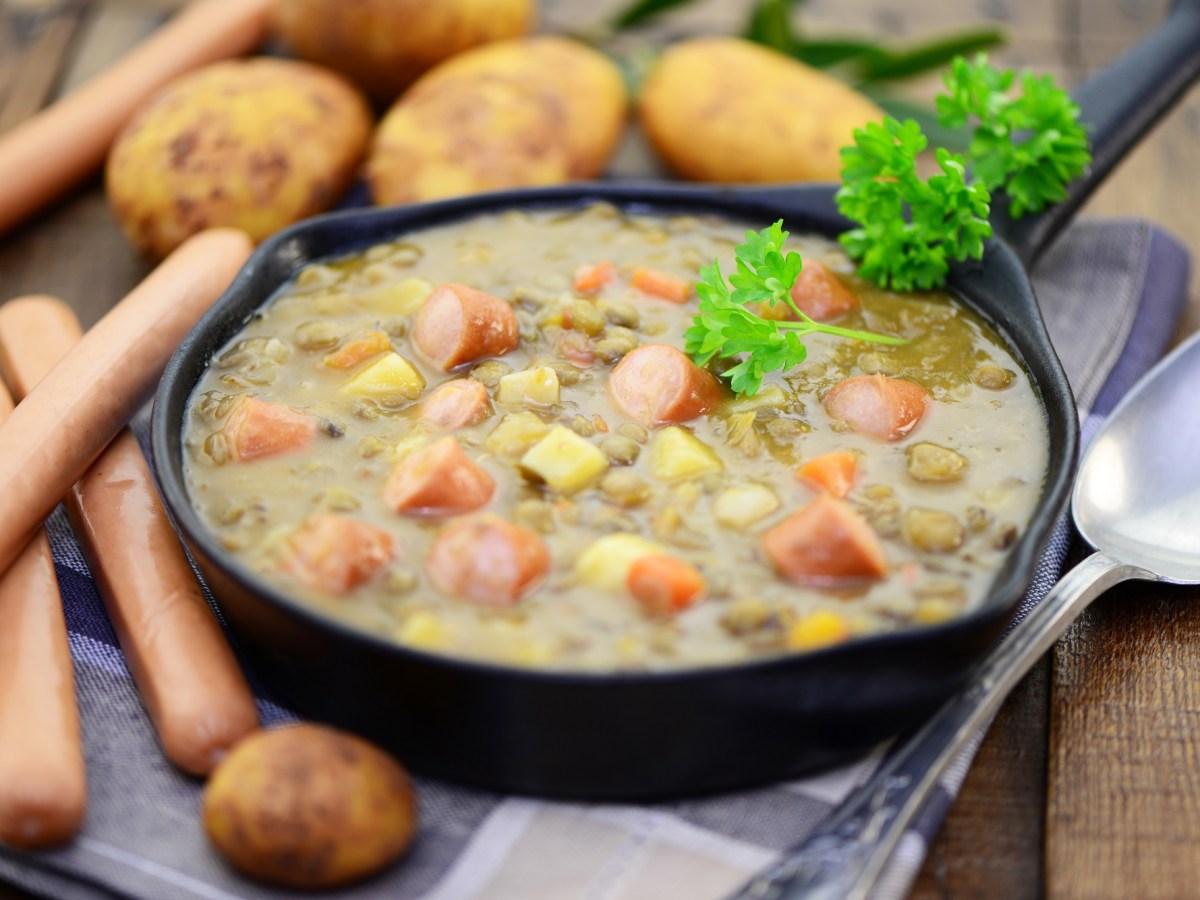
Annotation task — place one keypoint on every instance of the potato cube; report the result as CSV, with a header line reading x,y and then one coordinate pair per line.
x,y
516,433
606,563
743,505
822,628
564,460
390,376
398,298
538,387
424,630
676,454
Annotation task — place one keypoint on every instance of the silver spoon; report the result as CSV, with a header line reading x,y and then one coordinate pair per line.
x,y
1137,501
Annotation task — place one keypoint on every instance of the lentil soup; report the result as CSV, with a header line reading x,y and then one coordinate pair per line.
x,y
482,440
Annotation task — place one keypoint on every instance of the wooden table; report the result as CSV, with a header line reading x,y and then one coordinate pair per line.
x,y
1088,784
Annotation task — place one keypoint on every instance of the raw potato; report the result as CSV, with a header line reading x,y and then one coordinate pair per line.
x,y
307,806
385,44
254,144
724,109
520,113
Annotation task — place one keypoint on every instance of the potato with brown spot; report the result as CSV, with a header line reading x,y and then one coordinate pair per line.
x,y
253,144
384,45
501,116
724,109
307,806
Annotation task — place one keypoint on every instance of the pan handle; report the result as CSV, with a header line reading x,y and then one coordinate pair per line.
x,y
1119,106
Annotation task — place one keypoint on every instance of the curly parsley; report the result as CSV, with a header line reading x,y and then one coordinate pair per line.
x,y
1030,146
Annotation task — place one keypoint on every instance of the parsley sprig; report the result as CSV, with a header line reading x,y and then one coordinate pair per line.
x,y
1030,146
947,217
725,328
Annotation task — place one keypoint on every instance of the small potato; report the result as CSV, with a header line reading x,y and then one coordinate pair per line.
x,y
505,115
724,109
384,45
254,144
307,806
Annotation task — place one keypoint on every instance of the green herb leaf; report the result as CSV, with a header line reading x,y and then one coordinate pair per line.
x,y
1030,145
640,11
909,228
889,65
724,327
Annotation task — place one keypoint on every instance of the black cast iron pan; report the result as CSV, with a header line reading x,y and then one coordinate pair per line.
x,y
645,736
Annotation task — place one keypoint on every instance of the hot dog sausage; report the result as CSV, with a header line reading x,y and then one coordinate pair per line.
x,y
335,554
257,428
68,418
64,143
656,384
824,543
438,480
457,324
43,788
456,404
820,294
487,560
189,680
883,407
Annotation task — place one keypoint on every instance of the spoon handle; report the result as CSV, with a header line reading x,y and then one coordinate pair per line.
x,y
844,858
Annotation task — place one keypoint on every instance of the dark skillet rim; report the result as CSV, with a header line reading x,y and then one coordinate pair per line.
x,y
998,607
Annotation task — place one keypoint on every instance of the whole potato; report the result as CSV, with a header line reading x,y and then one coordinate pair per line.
x,y
724,109
385,44
309,806
253,144
534,111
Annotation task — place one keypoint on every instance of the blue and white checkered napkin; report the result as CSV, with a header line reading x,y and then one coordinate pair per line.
x,y
1111,292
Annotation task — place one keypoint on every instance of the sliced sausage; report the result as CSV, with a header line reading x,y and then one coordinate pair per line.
x,y
189,680
336,554
657,384
438,480
67,141
882,407
825,543
351,353
487,560
456,404
72,413
256,429
820,294
457,324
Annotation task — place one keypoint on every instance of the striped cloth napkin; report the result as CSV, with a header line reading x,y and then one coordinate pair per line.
x,y
1111,291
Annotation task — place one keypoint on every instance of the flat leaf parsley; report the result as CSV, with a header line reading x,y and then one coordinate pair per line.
x,y
725,328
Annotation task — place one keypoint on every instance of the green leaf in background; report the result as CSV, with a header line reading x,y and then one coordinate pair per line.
x,y
771,25
888,65
641,10
822,54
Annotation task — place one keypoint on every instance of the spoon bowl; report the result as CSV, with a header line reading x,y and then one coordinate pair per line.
x,y
1137,501
1137,496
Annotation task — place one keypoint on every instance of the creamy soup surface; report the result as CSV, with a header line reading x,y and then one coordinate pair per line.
x,y
578,498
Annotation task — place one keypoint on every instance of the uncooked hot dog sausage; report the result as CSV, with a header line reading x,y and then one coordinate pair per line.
x,y
67,419
60,146
43,789
188,678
